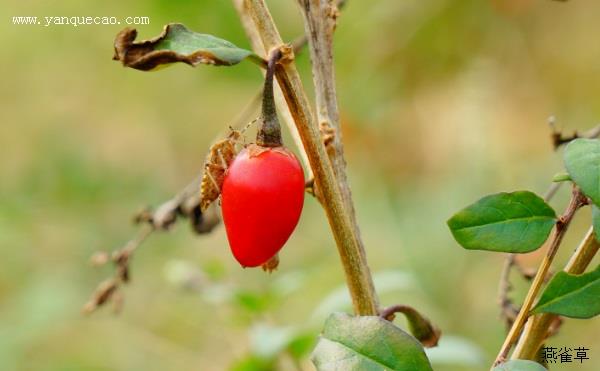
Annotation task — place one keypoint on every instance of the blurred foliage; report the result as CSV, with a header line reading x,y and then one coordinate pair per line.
x,y
441,102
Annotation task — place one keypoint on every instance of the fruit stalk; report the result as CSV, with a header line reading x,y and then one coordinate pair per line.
x,y
284,112
269,130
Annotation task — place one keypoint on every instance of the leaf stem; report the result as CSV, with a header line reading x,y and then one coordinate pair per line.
x,y
562,224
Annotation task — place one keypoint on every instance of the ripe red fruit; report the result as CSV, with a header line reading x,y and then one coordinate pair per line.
x,y
261,200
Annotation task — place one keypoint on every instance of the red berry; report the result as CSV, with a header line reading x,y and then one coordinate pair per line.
x,y
261,199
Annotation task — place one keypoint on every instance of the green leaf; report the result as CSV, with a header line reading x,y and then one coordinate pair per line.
x,y
519,365
517,222
596,221
367,343
582,159
570,295
177,44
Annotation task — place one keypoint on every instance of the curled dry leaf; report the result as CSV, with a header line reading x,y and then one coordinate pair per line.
x,y
177,44
203,222
185,204
419,325
220,155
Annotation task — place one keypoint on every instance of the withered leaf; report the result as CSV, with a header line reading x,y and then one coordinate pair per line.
x,y
177,44
220,155
419,325
204,221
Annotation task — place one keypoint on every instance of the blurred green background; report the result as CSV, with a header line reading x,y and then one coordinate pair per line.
x,y
441,101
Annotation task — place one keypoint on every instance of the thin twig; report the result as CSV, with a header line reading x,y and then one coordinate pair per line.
x,y
508,310
559,139
562,225
186,204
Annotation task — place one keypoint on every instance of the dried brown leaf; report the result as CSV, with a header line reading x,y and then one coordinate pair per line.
x,y
220,155
176,43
